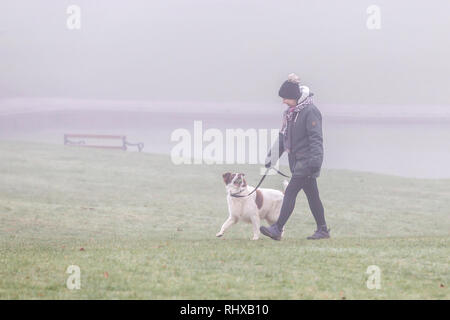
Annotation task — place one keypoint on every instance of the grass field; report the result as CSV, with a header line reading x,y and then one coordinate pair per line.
x,y
140,227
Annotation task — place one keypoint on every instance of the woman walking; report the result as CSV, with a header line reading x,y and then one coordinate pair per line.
x,y
301,137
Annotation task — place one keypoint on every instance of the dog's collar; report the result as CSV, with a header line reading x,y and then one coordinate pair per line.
x,y
233,194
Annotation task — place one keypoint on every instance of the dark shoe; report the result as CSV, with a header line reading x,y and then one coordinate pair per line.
x,y
321,233
273,232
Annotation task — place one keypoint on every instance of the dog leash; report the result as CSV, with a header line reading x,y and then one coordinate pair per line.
x,y
237,195
281,173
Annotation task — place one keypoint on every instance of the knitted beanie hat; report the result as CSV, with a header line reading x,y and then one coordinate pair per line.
x,y
290,88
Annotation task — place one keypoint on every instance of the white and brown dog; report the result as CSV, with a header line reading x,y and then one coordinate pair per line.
x,y
262,204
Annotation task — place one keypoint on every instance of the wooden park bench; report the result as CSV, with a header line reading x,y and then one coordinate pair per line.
x,y
82,143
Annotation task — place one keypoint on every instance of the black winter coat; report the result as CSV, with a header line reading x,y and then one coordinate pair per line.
x,y
306,140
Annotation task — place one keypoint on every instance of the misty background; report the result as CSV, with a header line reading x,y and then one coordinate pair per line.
x,y
145,68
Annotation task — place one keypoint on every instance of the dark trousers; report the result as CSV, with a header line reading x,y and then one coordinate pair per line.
x,y
309,185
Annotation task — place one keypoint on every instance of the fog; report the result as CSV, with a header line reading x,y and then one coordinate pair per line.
x,y
384,93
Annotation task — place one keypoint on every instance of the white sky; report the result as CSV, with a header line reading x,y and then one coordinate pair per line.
x,y
233,50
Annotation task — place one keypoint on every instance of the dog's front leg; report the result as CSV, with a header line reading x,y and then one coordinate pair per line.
x,y
256,222
228,223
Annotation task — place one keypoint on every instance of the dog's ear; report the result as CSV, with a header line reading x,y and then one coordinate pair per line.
x,y
226,177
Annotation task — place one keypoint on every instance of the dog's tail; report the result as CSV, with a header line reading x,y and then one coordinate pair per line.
x,y
285,184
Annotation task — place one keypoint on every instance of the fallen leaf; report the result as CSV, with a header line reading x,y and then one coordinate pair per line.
x,y
81,249
106,274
